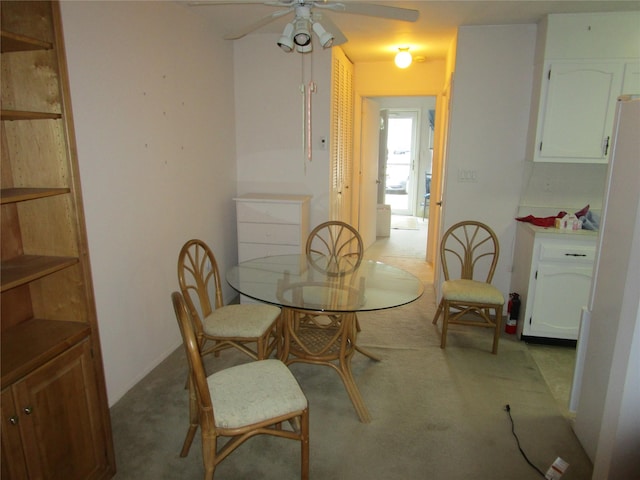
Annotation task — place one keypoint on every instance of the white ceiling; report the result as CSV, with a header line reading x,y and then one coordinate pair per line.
x,y
373,39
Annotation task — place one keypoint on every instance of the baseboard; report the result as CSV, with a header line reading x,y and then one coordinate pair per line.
x,y
564,342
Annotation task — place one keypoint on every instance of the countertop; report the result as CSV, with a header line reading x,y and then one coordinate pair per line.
x,y
551,231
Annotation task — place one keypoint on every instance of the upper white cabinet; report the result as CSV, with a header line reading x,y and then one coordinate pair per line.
x,y
580,101
631,79
584,62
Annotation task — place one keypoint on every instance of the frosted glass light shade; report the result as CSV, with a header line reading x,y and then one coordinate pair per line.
x,y
403,58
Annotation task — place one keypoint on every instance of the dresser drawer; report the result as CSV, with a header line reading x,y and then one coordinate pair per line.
x,y
248,251
269,233
268,212
567,252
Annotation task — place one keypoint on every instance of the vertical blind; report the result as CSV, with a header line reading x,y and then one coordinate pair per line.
x,y
341,135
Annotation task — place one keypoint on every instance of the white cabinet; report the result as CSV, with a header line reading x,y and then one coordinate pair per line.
x,y
552,273
631,79
584,62
579,101
271,224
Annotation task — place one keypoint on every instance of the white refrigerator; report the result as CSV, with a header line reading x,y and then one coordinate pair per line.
x,y
606,393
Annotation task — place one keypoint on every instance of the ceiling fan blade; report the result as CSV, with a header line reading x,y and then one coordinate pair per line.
x,y
256,25
372,10
205,3
338,37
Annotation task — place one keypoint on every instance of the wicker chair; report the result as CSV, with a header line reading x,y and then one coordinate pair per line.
x,y
466,248
240,402
222,326
342,245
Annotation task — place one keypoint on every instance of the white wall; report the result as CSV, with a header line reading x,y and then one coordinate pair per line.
x,y
488,131
152,98
269,121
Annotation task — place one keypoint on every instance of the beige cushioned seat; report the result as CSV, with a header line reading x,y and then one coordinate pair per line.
x,y
252,393
246,320
472,291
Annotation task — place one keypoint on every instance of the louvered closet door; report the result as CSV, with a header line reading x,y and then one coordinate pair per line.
x,y
341,137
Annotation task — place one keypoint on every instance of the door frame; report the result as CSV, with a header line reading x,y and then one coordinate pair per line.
x,y
441,123
415,161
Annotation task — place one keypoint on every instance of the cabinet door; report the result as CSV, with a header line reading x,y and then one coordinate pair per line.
x,y
63,436
577,112
631,82
13,462
560,293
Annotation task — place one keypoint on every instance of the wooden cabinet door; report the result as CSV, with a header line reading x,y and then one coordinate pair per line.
x,y
577,114
13,461
62,433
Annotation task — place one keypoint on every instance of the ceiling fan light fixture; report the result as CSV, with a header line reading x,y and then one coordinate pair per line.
x,y
304,49
301,34
286,40
403,58
325,38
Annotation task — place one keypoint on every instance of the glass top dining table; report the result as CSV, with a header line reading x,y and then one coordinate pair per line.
x,y
320,297
306,282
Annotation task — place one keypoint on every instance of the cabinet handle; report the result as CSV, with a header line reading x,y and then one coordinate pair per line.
x,y
13,420
606,146
575,254
28,410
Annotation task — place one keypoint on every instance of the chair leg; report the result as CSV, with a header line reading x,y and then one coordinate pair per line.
x,y
209,452
304,445
193,420
496,334
438,311
445,323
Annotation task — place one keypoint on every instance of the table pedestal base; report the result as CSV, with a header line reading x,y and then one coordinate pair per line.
x,y
332,343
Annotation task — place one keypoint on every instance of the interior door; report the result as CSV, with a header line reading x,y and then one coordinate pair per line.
x,y
369,170
382,153
436,217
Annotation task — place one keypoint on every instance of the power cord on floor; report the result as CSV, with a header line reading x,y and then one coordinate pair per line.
x,y
513,430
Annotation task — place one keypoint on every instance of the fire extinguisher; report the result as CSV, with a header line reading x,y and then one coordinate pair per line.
x,y
513,311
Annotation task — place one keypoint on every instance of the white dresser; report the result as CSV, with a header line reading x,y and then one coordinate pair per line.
x,y
271,224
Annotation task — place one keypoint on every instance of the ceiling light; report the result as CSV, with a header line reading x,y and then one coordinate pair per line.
x,y
403,58
326,39
286,40
301,35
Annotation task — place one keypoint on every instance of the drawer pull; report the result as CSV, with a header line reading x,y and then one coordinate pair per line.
x,y
575,254
13,420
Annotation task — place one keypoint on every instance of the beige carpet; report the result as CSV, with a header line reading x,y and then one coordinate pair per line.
x,y
437,414
400,222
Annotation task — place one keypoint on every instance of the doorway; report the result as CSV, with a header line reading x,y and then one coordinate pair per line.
x,y
401,152
408,201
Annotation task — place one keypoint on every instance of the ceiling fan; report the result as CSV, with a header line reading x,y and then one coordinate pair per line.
x,y
297,33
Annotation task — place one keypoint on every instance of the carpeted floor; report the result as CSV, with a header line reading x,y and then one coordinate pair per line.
x,y
437,414
403,222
